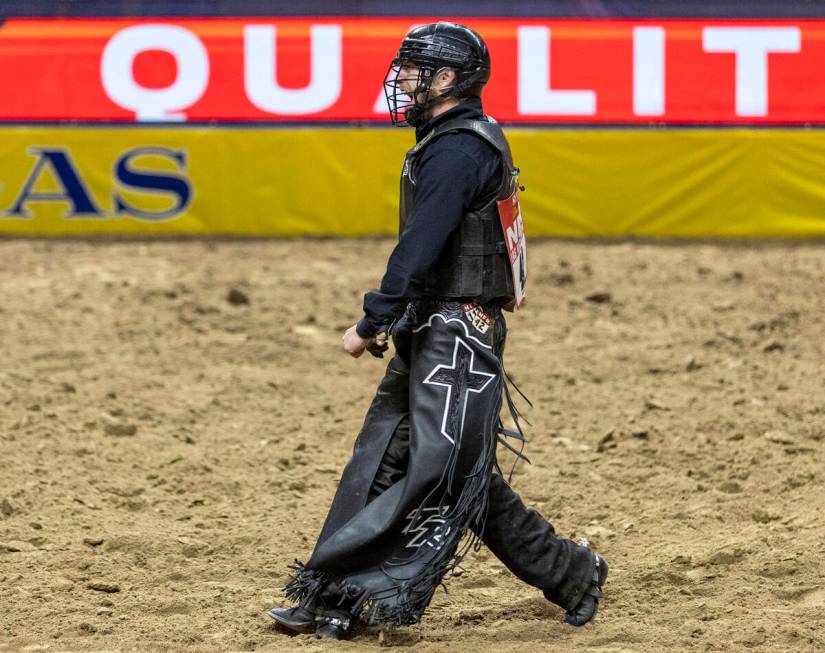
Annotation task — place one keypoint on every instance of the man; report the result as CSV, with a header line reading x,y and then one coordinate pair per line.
x,y
422,471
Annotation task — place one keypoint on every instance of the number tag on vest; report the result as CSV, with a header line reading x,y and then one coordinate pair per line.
x,y
509,210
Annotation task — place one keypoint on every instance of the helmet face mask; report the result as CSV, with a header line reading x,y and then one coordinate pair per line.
x,y
410,93
430,49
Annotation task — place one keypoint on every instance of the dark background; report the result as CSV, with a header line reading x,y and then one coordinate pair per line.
x,y
534,8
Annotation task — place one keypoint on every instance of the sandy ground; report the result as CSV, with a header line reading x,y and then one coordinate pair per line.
x,y
165,453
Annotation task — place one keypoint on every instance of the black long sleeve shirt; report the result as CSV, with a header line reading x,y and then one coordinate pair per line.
x,y
452,174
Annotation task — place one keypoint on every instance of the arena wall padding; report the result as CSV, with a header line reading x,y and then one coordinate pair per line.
x,y
344,182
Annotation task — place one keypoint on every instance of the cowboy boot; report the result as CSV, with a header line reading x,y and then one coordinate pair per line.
x,y
588,605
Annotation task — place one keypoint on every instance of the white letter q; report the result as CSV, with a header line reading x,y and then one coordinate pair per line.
x,y
149,103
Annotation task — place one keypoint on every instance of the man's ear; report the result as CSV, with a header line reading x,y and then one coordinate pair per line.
x,y
445,77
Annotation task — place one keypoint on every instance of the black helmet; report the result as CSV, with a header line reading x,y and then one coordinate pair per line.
x,y
430,48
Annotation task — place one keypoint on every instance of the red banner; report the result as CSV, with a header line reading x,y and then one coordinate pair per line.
x,y
285,69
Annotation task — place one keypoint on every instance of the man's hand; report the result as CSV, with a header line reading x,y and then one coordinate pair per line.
x,y
354,344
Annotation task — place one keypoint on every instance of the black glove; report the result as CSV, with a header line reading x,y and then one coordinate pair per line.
x,y
378,344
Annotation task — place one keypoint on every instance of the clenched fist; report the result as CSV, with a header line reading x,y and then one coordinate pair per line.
x,y
354,344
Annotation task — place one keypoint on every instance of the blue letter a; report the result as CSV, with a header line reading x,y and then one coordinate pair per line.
x,y
74,191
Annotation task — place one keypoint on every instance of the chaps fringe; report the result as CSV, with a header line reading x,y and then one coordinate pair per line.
x,y
305,584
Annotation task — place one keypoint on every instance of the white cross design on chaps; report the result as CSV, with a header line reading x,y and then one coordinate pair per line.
x,y
459,379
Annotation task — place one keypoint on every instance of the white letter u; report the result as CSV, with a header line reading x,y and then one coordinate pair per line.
x,y
260,71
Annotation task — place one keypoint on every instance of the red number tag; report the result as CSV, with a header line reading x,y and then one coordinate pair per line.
x,y
509,210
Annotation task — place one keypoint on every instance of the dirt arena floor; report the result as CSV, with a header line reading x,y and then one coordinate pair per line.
x,y
174,418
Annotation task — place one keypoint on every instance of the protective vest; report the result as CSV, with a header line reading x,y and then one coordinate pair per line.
x,y
474,263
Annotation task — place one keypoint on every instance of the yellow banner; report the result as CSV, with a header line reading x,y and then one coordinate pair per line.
x,y
344,181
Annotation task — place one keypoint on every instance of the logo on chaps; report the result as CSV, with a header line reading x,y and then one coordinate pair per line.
x,y
429,530
477,317
460,379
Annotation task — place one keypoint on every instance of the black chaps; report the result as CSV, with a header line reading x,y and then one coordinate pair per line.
x,y
518,536
423,474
